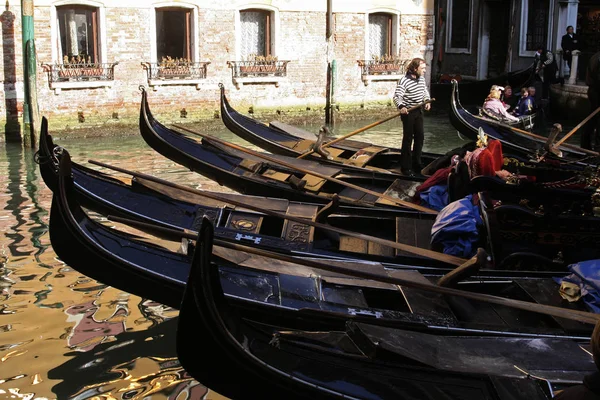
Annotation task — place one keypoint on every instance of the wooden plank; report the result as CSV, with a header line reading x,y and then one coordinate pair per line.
x,y
303,145
244,221
363,156
414,232
354,245
357,282
380,250
313,183
295,231
183,195
278,176
250,165
293,130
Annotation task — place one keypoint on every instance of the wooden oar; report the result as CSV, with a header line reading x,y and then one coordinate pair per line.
x,y
452,260
579,125
576,315
309,172
533,135
334,141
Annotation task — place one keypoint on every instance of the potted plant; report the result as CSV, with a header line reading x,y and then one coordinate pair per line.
x,y
169,67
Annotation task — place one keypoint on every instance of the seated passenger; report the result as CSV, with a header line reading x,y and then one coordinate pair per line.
x,y
494,106
509,100
525,104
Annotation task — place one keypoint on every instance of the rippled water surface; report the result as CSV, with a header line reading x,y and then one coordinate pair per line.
x,y
63,335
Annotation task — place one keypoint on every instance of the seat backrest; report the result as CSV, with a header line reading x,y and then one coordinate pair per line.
x,y
458,182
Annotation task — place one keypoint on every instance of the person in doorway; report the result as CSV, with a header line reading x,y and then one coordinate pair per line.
x,y
569,43
590,388
545,69
411,91
592,79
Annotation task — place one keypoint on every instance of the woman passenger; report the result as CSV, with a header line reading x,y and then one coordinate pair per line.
x,y
494,106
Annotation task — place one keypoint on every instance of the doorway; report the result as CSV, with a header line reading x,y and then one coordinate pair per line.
x,y
493,38
588,31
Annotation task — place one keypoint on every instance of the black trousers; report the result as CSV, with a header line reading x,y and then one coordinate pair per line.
x,y
549,78
412,125
587,137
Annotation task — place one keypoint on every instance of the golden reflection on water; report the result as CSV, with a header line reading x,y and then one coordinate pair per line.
x,y
64,335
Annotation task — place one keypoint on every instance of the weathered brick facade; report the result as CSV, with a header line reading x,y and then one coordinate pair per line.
x,y
300,38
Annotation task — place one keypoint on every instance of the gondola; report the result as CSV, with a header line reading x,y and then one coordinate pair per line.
x,y
361,360
158,205
474,92
351,154
163,207
513,142
270,285
281,139
249,174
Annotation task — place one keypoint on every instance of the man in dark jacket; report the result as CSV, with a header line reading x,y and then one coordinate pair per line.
x,y
569,43
590,389
592,79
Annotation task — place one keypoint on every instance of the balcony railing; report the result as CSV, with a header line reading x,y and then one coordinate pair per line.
x,y
372,67
80,72
381,70
246,69
181,70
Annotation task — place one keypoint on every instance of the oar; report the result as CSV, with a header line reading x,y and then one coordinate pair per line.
x,y
533,135
452,260
579,125
334,141
309,172
576,315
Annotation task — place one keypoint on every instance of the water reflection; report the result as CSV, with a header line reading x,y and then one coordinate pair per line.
x,y
15,200
64,335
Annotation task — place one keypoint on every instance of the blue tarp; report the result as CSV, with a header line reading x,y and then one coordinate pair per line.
x,y
456,228
436,197
586,275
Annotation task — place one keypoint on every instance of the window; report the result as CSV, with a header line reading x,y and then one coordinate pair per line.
x,y
255,33
537,24
459,26
78,34
78,38
174,34
380,35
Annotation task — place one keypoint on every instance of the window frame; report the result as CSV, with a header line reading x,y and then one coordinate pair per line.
x,y
193,28
393,34
101,22
523,52
272,33
449,19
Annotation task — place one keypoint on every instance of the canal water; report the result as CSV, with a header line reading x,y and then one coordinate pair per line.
x,y
66,336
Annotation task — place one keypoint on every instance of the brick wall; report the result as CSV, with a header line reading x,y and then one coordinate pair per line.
x,y
300,39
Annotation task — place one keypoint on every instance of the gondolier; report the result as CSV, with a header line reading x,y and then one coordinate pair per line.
x,y
411,90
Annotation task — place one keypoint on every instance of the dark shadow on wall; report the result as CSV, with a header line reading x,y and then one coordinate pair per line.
x,y
12,127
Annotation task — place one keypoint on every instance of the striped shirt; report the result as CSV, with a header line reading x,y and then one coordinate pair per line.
x,y
410,91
